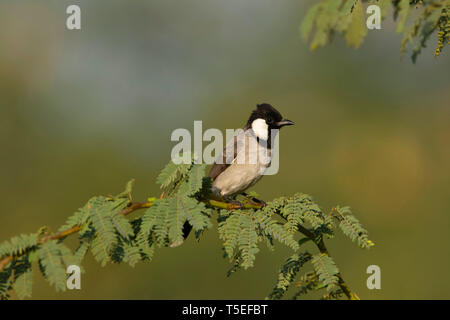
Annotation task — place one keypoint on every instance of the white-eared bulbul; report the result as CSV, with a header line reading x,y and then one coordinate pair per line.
x,y
245,158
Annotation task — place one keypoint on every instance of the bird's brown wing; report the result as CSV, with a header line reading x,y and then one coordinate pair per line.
x,y
229,153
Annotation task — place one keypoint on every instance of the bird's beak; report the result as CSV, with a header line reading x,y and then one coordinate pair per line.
x,y
285,122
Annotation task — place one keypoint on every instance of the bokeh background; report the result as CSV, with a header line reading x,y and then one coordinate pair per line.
x,y
82,112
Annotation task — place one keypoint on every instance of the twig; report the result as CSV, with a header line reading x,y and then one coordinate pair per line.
x,y
133,206
231,206
213,203
320,244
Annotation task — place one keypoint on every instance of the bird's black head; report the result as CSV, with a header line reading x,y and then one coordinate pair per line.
x,y
273,119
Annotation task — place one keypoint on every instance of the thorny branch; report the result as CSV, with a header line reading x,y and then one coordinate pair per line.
x,y
133,206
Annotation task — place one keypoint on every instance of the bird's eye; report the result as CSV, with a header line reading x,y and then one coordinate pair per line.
x,y
269,120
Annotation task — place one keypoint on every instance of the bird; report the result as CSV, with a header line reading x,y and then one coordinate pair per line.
x,y
245,158
234,171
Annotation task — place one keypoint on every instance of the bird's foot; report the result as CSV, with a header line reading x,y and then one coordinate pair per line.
x,y
234,204
254,200
259,201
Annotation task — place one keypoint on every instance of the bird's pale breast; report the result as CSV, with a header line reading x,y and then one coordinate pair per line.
x,y
246,170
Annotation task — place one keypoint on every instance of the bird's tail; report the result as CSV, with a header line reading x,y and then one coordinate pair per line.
x,y
186,231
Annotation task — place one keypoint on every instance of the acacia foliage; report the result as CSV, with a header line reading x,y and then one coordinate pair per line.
x,y
110,237
417,21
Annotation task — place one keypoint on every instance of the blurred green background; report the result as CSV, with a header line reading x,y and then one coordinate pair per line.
x,y
82,112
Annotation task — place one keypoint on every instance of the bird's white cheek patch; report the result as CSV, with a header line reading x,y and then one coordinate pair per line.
x,y
260,128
